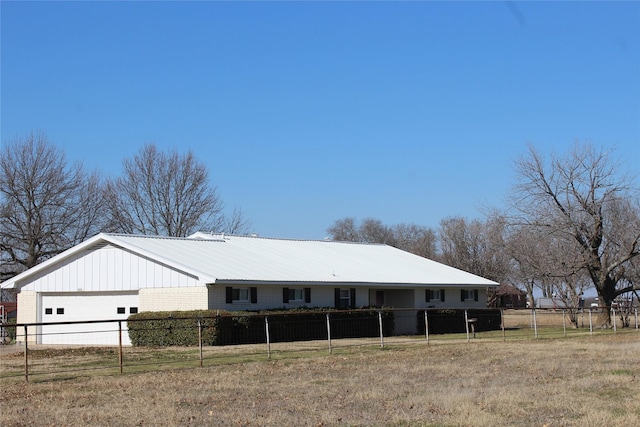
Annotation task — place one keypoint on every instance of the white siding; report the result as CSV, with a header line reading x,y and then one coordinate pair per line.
x,y
271,297
109,269
452,299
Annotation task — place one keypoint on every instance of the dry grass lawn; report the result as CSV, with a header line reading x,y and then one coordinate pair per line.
x,y
592,381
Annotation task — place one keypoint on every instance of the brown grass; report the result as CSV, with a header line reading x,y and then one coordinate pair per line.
x,y
592,381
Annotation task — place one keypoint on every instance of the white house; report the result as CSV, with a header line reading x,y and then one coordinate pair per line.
x,y
111,276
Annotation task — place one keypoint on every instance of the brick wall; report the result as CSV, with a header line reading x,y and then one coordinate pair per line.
x,y
27,313
170,299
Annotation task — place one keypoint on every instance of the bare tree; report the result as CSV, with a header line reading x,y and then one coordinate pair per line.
x,y
456,247
562,281
474,246
584,202
47,204
374,231
416,239
164,194
627,303
527,256
408,237
236,223
539,260
345,230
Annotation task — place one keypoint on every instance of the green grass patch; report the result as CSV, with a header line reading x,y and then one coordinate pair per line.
x,y
624,372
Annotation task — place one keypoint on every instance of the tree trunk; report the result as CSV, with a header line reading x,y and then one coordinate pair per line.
x,y
604,317
606,295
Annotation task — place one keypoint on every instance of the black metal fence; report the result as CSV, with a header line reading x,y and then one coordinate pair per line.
x,y
278,335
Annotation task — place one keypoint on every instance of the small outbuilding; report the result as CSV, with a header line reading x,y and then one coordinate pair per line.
x,y
507,296
111,276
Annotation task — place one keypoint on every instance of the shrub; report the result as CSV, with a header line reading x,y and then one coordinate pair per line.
x,y
223,328
10,329
172,328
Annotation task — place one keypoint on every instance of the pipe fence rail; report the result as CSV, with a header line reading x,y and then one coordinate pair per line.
x,y
281,335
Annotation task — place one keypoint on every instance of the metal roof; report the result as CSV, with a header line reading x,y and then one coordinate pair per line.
x,y
241,258
226,259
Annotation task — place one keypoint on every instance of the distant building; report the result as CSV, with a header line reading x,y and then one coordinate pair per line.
x,y
550,303
507,296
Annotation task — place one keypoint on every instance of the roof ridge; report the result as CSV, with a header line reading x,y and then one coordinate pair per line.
x,y
223,236
154,236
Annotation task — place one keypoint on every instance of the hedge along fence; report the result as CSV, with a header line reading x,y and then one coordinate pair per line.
x,y
180,328
171,328
311,325
455,321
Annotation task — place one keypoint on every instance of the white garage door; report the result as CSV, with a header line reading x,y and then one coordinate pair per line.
x,y
86,307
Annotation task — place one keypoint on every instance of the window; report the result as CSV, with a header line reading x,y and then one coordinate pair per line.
x,y
434,295
133,310
121,310
345,298
59,310
48,311
468,295
296,295
241,295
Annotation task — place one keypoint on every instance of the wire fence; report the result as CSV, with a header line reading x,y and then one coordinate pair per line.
x,y
105,346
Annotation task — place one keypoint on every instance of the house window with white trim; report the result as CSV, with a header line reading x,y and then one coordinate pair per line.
x,y
296,295
432,295
469,295
241,295
345,298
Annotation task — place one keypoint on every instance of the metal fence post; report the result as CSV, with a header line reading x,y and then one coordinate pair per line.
x,y
266,328
613,314
564,324
531,322
504,335
381,334
535,324
636,311
590,323
329,333
426,326
200,340
120,344
26,355
466,323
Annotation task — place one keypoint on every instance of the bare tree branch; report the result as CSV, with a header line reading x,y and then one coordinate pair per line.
x,y
164,194
589,209
47,205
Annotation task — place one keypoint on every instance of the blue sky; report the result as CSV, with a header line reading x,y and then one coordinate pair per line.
x,y
308,112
